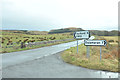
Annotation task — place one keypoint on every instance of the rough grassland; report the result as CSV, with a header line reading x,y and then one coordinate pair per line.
x,y
11,42
109,60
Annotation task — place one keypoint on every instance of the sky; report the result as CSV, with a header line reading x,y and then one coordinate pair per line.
x,y
44,15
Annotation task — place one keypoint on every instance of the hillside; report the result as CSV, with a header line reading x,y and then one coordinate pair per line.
x,y
92,32
65,30
24,32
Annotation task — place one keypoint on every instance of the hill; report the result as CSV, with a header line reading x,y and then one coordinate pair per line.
x,y
70,30
92,32
65,30
24,32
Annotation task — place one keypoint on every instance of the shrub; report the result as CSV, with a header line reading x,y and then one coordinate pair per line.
x,y
2,41
25,40
32,40
19,40
26,37
111,41
117,41
7,43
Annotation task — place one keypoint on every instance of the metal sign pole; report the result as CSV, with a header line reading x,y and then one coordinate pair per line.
x,y
77,46
88,51
100,53
81,35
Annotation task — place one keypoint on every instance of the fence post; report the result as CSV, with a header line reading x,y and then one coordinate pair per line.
x,y
22,45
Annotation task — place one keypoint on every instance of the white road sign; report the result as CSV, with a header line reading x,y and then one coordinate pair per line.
x,y
95,43
82,35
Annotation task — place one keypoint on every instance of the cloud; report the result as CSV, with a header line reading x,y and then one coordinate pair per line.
x,y
49,14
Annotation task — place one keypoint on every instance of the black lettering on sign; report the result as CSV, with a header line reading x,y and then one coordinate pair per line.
x,y
82,33
98,42
78,36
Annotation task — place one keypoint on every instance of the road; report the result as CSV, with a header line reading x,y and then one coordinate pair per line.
x,y
46,63
13,58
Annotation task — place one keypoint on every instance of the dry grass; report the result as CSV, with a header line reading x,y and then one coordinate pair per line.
x,y
11,41
109,60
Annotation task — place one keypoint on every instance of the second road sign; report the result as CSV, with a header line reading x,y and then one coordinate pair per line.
x,y
95,43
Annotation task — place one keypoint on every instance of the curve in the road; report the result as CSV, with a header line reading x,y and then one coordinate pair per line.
x,y
52,67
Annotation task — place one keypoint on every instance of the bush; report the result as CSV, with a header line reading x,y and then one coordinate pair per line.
x,y
117,41
111,41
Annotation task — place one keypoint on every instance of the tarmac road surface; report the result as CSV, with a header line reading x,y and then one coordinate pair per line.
x,y
46,63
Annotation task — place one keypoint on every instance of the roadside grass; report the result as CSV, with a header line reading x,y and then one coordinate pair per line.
x,y
6,38
114,38
109,60
14,49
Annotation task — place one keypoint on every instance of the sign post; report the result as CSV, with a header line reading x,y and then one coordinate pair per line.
x,y
89,42
88,48
100,53
81,35
88,51
96,43
77,46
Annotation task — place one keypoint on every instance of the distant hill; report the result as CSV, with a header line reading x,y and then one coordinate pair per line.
x,y
26,32
92,32
70,30
37,32
65,30
105,33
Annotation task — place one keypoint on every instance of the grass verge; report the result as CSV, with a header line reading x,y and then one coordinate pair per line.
x,y
8,50
109,60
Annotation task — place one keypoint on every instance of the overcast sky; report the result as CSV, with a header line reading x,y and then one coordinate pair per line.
x,y
45,15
